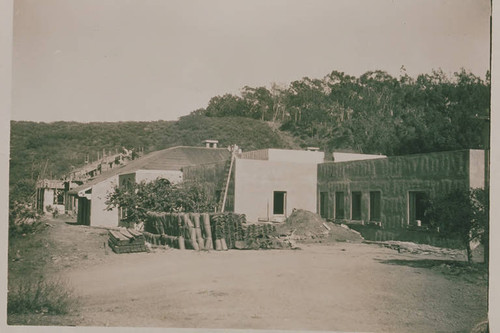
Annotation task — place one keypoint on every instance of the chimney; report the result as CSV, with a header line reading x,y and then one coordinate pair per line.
x,y
211,143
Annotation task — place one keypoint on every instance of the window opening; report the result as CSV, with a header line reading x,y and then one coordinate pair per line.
x,y
375,201
356,206
339,205
418,204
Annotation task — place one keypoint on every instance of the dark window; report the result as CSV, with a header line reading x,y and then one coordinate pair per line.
x,y
356,206
375,206
323,204
279,203
418,204
58,197
339,205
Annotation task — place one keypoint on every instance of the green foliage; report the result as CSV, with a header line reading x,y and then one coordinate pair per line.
x,y
159,196
462,214
30,291
193,198
39,296
375,113
23,219
22,190
51,150
250,134
260,236
228,226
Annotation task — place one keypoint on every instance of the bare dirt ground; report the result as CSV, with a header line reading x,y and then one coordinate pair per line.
x,y
338,287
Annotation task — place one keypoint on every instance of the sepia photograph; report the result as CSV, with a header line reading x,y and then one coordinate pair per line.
x,y
236,165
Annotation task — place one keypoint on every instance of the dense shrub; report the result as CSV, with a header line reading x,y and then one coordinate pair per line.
x,y
23,219
39,296
159,196
463,215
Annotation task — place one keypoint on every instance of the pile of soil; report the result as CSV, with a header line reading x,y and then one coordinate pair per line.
x,y
303,225
342,233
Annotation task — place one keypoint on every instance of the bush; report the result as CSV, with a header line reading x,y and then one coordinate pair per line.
x,y
463,215
39,296
159,196
23,219
22,190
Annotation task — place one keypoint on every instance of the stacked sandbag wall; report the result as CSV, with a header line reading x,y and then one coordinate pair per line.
x,y
198,231
228,228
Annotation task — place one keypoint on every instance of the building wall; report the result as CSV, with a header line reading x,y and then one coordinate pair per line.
x,y
296,156
174,176
285,155
256,180
48,200
99,215
477,173
394,177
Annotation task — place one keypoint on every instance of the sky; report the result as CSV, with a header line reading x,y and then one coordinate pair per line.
x,y
143,60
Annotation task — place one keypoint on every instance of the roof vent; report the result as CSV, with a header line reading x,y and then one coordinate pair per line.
x,y
312,149
211,143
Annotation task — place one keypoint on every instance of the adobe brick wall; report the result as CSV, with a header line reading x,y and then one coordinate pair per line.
x,y
394,177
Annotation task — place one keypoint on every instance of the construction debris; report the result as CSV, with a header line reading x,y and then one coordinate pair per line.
x,y
414,248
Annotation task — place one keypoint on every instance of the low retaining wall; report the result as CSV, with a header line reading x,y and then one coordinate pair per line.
x,y
374,233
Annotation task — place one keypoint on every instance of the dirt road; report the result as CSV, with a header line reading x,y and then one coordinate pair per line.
x,y
339,287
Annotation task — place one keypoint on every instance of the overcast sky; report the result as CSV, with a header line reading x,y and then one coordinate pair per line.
x,y
117,60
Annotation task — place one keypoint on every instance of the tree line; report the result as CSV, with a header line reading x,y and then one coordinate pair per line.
x,y
373,113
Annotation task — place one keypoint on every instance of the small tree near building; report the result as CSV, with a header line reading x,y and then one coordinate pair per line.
x,y
463,215
136,199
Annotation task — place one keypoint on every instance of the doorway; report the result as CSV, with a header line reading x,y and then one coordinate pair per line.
x,y
83,211
279,202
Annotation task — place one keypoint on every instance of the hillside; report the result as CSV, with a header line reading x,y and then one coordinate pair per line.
x,y
63,145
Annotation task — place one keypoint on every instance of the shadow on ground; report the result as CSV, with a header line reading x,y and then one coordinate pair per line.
x,y
473,272
424,263
72,223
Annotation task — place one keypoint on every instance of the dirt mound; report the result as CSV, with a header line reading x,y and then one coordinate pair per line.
x,y
303,223
342,233
305,226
